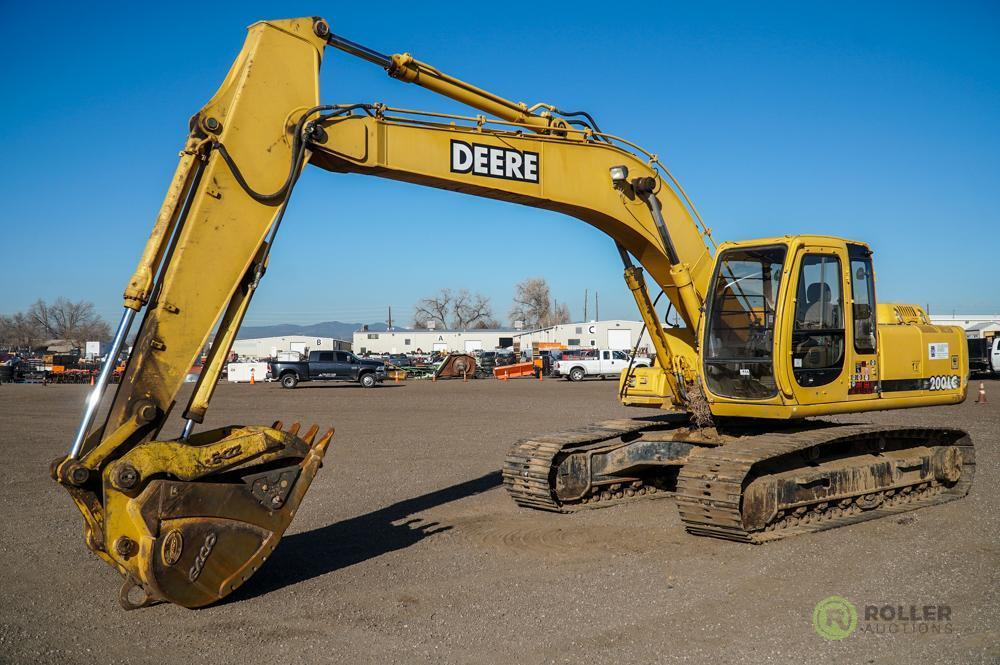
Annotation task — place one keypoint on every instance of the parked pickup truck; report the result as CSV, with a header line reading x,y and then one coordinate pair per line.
x,y
984,356
576,366
328,366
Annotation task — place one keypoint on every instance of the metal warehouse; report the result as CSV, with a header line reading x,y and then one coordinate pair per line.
x,y
977,326
426,341
613,334
268,347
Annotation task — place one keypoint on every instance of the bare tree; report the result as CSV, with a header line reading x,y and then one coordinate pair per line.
x,y
472,310
534,306
39,314
560,314
75,322
19,332
482,324
461,309
433,309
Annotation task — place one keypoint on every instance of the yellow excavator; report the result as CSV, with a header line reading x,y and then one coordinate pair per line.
x,y
775,331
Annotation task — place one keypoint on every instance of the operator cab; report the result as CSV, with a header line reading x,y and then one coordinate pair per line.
x,y
781,303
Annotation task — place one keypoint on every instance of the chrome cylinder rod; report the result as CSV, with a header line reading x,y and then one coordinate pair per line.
x,y
94,400
188,428
363,52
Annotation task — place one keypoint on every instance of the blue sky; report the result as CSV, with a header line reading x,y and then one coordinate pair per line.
x,y
877,121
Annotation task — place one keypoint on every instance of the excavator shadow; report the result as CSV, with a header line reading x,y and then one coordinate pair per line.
x,y
303,556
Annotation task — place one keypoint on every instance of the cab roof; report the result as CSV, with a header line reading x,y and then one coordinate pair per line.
x,y
794,241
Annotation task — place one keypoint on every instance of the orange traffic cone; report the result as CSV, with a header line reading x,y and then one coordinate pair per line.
x,y
251,376
982,394
91,378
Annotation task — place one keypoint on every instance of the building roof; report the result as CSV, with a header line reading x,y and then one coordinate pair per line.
x,y
296,336
966,317
434,331
512,331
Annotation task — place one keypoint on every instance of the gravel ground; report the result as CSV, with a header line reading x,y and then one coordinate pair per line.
x,y
407,549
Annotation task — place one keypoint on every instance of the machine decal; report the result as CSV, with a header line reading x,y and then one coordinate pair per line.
x,y
494,161
199,561
945,382
937,351
173,547
219,457
864,379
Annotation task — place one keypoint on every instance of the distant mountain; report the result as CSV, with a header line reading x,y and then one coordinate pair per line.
x,y
335,329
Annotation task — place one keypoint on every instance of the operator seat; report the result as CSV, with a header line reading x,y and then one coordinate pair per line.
x,y
820,312
817,352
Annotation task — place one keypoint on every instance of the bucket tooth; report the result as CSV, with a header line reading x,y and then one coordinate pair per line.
x,y
278,425
324,442
294,429
310,435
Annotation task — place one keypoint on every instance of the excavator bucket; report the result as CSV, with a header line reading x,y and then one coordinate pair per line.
x,y
190,521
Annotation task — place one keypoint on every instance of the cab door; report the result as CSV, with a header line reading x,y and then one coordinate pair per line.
x,y
343,366
863,371
819,342
605,366
619,362
323,366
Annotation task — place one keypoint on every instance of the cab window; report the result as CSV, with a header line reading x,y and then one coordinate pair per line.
x,y
326,356
863,295
343,357
619,355
739,335
818,330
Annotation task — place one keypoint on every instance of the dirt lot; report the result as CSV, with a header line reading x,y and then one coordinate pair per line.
x,y
407,549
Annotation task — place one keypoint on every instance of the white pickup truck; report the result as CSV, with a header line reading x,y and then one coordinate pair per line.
x,y
578,365
984,356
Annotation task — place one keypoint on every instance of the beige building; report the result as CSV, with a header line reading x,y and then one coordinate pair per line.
x,y
615,334
977,326
428,341
269,347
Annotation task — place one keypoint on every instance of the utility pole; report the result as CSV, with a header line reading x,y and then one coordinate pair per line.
x,y
597,305
586,297
390,317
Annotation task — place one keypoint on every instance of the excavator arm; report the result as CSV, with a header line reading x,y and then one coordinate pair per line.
x,y
189,519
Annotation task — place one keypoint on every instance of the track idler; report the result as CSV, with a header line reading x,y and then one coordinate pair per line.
x,y
189,522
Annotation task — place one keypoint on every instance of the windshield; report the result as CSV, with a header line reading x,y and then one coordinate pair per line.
x,y
739,335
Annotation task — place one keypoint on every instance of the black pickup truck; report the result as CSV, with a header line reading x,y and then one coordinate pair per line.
x,y
329,366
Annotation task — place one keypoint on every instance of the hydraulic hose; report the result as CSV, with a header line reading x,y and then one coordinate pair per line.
x,y
298,153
